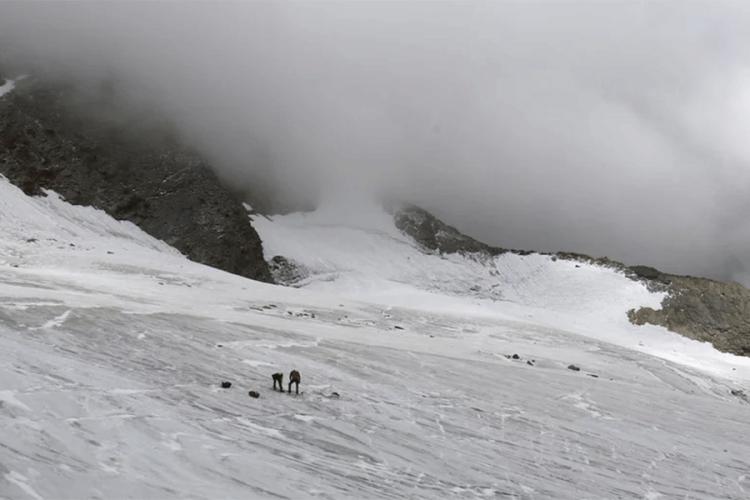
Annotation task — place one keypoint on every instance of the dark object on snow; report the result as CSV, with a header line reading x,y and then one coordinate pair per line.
x,y
226,385
335,395
254,394
398,327
592,375
286,271
278,378
516,356
574,368
530,363
294,378
740,394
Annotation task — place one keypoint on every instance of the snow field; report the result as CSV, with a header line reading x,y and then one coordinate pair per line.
x,y
111,352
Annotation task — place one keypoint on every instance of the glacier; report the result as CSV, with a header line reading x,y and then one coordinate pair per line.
x,y
113,346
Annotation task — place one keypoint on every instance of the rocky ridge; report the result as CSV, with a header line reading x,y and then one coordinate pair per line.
x,y
698,308
131,166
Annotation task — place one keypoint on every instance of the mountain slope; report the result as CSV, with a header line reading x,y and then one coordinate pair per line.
x,y
90,150
362,252
112,346
699,308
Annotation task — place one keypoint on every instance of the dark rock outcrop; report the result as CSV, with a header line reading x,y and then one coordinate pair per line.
x,y
434,234
286,271
131,166
702,309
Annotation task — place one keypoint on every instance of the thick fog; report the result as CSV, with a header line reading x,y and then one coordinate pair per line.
x,y
610,128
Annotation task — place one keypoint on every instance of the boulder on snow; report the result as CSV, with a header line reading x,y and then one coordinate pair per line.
x,y
254,394
574,368
226,385
740,394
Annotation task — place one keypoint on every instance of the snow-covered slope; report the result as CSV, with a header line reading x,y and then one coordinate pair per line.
x,y
9,85
360,253
112,347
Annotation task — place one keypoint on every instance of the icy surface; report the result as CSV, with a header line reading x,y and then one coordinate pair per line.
x,y
112,348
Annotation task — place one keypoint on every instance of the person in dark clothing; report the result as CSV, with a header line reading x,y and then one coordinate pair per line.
x,y
294,378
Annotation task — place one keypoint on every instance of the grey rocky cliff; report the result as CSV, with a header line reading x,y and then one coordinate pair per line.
x,y
434,234
698,308
133,168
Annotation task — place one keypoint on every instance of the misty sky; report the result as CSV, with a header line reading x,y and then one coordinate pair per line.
x,y
610,128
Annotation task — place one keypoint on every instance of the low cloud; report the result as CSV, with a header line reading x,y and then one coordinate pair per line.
x,y
612,129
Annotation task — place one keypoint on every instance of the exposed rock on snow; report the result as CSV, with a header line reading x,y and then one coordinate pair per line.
x,y
702,309
286,272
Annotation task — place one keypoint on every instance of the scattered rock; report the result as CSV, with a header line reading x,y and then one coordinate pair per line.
x,y
219,345
398,327
574,368
335,395
516,356
226,385
740,394
592,375
254,394
31,240
530,363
